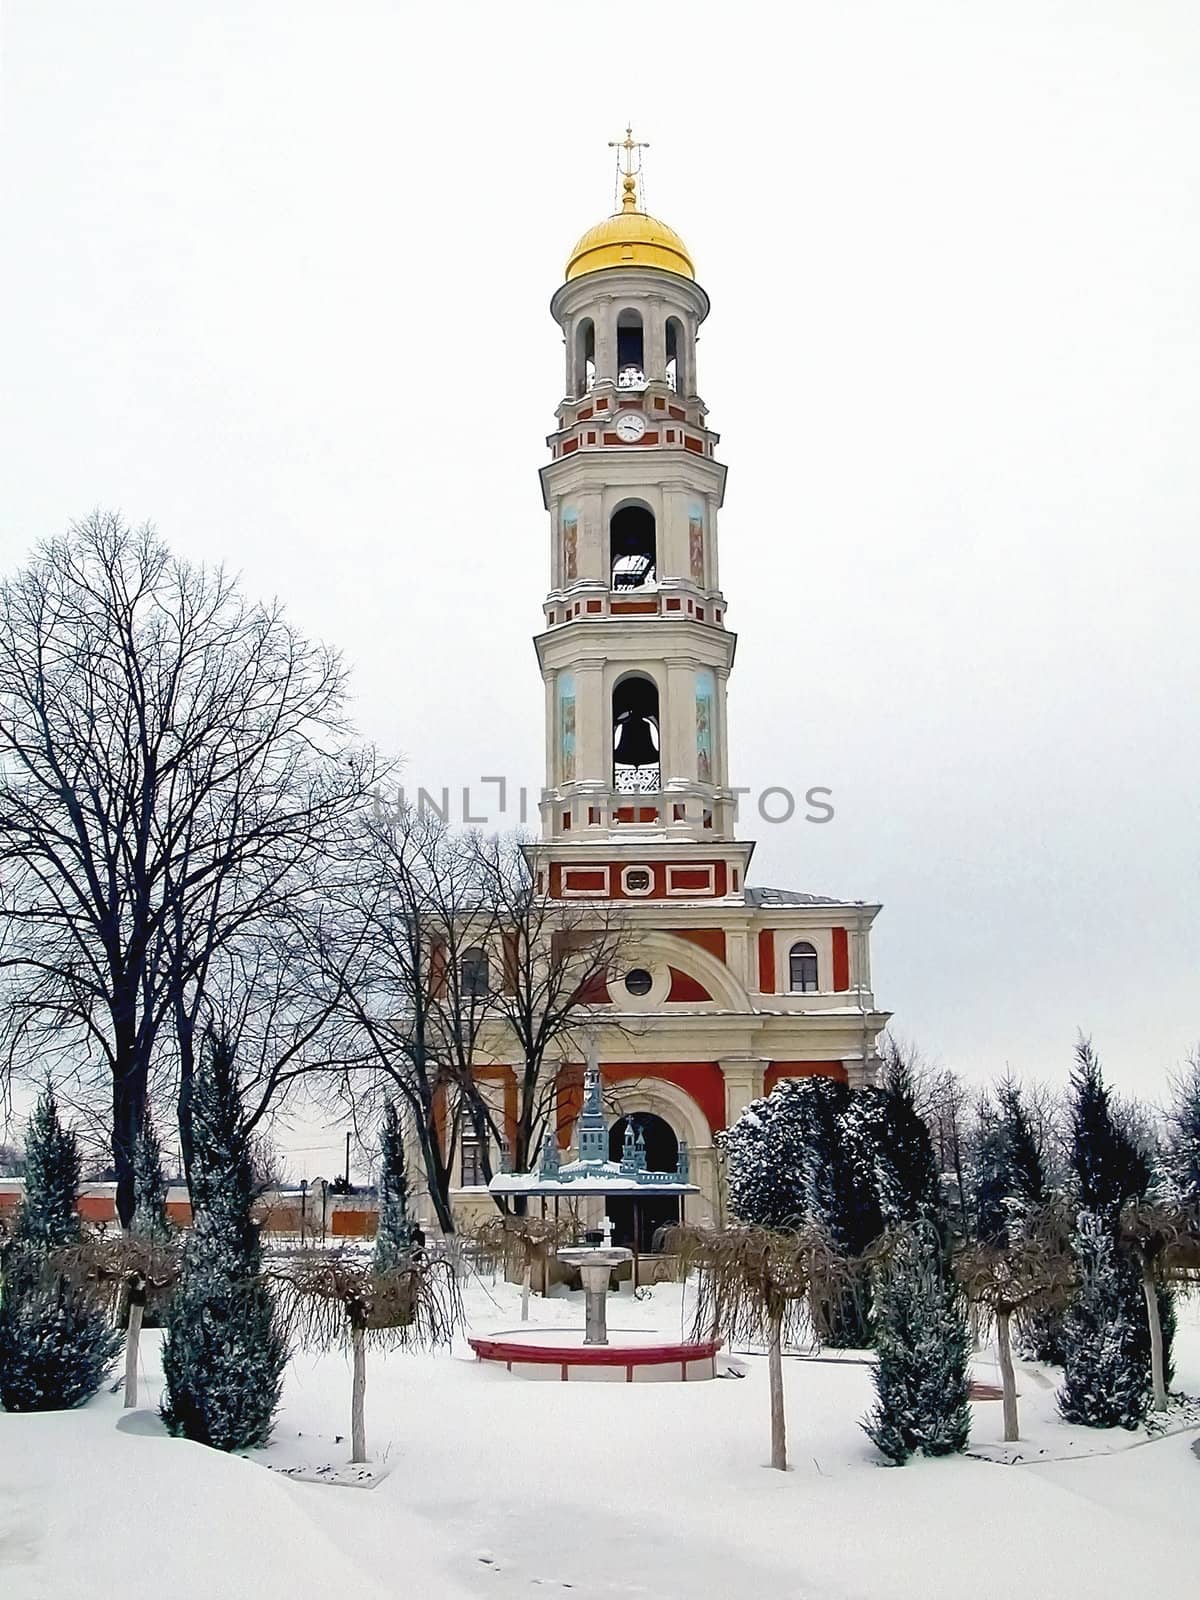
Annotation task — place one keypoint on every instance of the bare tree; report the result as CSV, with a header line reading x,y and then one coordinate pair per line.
x,y
170,757
756,1283
1030,1270
462,966
1163,1237
333,1298
558,959
403,916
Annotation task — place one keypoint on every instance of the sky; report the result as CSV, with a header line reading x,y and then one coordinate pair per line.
x,y
276,278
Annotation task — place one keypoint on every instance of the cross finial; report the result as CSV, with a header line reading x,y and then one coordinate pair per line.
x,y
629,146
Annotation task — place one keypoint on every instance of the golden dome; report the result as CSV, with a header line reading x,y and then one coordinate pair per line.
x,y
630,238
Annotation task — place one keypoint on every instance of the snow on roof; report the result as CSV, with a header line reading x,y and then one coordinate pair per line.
x,y
533,1183
790,897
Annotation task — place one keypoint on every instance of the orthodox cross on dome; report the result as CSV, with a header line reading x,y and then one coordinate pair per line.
x,y
629,166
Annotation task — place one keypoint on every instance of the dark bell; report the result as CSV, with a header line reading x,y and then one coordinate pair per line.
x,y
635,742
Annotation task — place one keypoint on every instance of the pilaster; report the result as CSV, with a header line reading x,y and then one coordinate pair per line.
x,y
744,1077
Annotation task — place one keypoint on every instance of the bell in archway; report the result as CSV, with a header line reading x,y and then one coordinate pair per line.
x,y
636,741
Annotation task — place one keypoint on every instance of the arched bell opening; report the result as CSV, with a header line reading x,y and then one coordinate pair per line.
x,y
633,548
585,356
636,744
652,1137
631,350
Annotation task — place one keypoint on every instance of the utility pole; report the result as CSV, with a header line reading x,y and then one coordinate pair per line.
x,y
347,1158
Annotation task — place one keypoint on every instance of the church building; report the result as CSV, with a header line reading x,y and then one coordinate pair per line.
x,y
728,986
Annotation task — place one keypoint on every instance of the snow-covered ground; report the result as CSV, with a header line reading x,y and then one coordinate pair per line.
x,y
497,1486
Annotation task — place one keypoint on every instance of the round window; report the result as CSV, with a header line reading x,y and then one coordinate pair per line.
x,y
639,981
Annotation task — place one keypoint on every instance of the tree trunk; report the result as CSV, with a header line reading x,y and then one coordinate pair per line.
x,y
133,1338
1008,1377
436,1175
526,1285
129,1104
358,1427
775,1362
1157,1377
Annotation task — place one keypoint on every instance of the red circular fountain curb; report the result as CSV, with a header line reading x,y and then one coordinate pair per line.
x,y
512,1351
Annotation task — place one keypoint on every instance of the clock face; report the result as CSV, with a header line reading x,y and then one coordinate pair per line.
x,y
631,425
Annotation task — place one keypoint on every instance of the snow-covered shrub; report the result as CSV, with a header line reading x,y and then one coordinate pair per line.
x,y
56,1343
923,1347
225,1352
1106,1334
764,1153
1105,1381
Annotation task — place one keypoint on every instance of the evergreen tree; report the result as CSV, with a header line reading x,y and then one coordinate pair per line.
x,y
991,1179
1106,1334
149,1182
907,1180
224,1354
48,1218
1105,1379
765,1165
840,1200
1011,1186
1028,1185
923,1349
1181,1157
56,1344
394,1241
1109,1168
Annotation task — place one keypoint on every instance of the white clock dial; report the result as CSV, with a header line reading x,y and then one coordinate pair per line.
x,y
630,427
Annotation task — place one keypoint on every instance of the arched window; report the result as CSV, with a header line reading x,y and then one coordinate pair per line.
x,y
474,972
631,358
632,548
636,768
585,356
802,969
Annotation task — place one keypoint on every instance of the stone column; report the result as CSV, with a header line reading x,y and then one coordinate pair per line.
x,y
590,724
595,1301
677,730
654,340
606,338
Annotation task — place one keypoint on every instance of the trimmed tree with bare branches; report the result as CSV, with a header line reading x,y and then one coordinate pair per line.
x,y
332,1299
524,1243
754,1284
1013,1273
1164,1241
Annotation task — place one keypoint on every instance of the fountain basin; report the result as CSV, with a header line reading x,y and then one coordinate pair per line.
x,y
630,1356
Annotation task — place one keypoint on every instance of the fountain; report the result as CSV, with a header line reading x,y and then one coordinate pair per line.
x,y
625,1355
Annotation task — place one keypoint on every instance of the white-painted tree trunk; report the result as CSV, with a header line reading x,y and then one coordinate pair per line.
x,y
358,1427
775,1364
1008,1377
133,1339
1157,1374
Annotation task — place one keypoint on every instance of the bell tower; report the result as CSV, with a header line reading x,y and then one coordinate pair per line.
x,y
635,653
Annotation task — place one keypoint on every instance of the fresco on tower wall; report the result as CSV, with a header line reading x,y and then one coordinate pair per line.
x,y
570,543
705,690
566,726
696,541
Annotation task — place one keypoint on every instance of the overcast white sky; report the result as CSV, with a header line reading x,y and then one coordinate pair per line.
x,y
276,275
